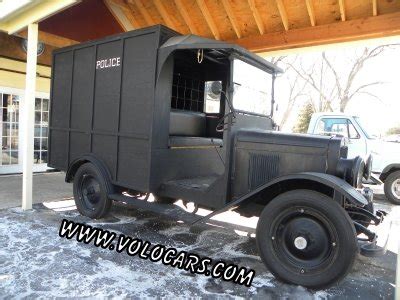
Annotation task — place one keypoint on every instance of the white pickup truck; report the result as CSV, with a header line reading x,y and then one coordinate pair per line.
x,y
386,155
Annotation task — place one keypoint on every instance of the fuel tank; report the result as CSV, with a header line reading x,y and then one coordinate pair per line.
x,y
259,156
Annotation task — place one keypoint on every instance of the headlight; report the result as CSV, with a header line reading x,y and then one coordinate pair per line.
x,y
351,170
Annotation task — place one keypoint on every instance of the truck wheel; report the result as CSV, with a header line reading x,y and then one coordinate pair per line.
x,y
306,238
90,192
392,187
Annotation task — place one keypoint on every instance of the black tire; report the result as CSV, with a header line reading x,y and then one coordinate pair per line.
x,y
329,235
390,188
164,200
90,192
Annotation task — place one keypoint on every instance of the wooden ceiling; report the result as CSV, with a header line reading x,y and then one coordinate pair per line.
x,y
265,25
258,25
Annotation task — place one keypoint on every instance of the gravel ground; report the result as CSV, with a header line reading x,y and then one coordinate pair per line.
x,y
36,262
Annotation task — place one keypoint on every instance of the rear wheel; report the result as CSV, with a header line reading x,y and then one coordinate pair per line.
x,y
392,187
90,192
306,238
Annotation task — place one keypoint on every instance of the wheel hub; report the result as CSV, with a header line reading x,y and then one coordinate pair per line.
x,y
302,239
91,194
396,188
300,243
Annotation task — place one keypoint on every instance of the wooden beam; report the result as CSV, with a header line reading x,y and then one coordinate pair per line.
x,y
127,11
365,28
257,17
132,19
50,39
119,15
186,17
311,13
282,12
342,10
231,15
167,17
210,21
149,19
374,7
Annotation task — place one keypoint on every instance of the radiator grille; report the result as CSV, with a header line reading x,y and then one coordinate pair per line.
x,y
262,168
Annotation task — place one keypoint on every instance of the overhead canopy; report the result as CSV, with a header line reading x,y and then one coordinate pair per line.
x,y
16,15
258,25
266,25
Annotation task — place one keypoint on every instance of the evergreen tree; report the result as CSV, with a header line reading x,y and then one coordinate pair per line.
x,y
304,118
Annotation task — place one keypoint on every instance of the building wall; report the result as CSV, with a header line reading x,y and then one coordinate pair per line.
x,y
12,74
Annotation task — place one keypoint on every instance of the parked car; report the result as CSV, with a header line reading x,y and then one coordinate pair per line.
x,y
395,138
386,155
130,116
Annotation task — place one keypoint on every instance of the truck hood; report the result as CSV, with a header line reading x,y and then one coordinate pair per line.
x,y
381,147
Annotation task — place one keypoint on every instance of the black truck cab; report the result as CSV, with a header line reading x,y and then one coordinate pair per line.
x,y
184,117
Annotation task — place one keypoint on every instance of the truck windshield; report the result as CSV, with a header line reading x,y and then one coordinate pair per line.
x,y
364,129
252,88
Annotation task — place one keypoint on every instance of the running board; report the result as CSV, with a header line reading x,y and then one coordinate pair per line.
x,y
174,212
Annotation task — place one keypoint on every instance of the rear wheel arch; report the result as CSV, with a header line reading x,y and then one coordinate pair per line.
x,y
389,170
76,164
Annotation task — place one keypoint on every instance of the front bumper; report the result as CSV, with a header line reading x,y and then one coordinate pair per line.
x,y
363,218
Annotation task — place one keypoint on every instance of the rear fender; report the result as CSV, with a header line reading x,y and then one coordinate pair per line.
x,y
337,184
74,166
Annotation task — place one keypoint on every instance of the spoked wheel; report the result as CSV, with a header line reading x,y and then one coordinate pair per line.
x,y
306,238
392,187
90,192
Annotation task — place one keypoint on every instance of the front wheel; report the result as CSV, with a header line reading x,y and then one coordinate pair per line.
x,y
306,238
90,192
392,187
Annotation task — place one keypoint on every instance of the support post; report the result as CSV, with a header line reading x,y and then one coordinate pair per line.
x,y
29,117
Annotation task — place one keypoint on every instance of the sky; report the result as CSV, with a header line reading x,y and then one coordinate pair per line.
x,y
377,115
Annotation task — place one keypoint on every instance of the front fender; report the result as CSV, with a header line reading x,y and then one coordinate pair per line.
x,y
336,183
387,170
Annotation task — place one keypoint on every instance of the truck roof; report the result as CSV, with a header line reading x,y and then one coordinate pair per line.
x,y
319,114
191,41
196,42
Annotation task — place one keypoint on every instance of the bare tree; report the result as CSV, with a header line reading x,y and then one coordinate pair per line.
x,y
331,87
296,86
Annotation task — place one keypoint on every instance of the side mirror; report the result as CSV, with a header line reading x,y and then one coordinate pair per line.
x,y
216,88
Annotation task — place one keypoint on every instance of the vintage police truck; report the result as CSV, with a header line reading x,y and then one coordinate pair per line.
x,y
184,117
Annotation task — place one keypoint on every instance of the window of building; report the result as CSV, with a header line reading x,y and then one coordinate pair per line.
x,y
9,128
41,130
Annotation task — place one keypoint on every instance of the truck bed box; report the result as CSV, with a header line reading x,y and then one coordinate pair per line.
x,y
102,103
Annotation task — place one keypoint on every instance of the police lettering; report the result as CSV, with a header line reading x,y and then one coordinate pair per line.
x,y
108,63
